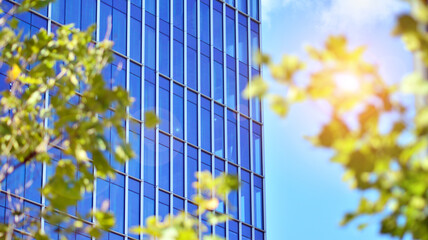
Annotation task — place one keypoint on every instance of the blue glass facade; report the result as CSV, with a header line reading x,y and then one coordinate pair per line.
x,y
187,60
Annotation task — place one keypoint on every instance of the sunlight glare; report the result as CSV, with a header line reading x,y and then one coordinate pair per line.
x,y
347,82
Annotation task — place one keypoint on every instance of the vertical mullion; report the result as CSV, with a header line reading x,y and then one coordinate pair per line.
x,y
237,93
128,66
186,190
157,110
97,34
211,51
171,104
97,38
198,88
225,97
212,93
44,166
263,129
250,111
142,110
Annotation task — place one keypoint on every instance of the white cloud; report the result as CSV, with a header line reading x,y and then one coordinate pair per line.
x,y
344,14
337,14
268,6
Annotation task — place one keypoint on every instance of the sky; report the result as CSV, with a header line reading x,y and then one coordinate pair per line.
x,y
305,196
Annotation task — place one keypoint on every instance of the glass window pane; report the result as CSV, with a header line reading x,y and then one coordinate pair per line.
x,y
164,10
115,141
178,13
218,131
192,168
178,168
150,47
257,149
255,45
256,109
164,54
164,104
148,210
243,44
119,31
218,29
242,5
243,102
245,201
206,162
205,75
133,211
232,153
151,6
84,206
149,96
192,68
149,161
233,196
117,206
206,124
178,62
191,17
178,111
230,37
231,2
164,161
73,12
135,92
218,82
192,118
57,11
135,40
89,16
245,143
32,174
205,22
135,141
231,88
258,205
164,204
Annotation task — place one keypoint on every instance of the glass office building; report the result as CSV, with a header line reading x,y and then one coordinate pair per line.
x,y
187,60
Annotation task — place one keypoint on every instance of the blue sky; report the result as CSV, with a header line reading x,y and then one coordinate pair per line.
x,y
305,195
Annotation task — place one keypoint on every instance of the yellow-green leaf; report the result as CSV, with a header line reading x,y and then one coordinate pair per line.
x,y
256,88
150,119
279,105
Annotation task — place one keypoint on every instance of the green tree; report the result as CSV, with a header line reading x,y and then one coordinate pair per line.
x,y
393,164
57,98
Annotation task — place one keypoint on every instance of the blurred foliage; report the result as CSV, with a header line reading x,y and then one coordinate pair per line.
x,y
393,164
186,226
66,68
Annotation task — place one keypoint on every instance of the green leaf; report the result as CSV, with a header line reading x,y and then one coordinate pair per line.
x,y
278,105
256,88
415,84
406,23
13,23
216,218
260,58
150,119
104,220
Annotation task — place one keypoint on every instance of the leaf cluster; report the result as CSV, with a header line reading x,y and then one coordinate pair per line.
x,y
59,99
391,163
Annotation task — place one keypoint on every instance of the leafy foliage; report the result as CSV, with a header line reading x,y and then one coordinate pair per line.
x,y
57,95
185,226
59,99
394,164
